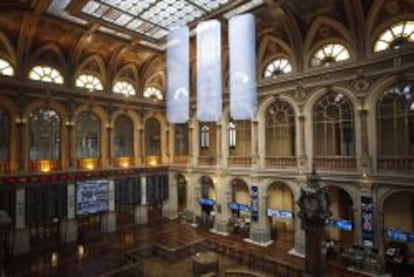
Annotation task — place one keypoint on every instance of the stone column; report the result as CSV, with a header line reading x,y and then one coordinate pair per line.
x,y
302,157
109,147
171,144
223,212
254,144
165,147
193,193
71,148
170,206
219,154
261,143
260,230
195,142
21,238
365,159
299,239
22,153
108,224
69,226
141,214
142,144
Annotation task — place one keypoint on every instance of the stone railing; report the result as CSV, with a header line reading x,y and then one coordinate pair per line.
x,y
399,163
180,159
206,160
281,162
335,162
239,161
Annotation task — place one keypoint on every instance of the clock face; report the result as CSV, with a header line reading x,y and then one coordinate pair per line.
x,y
311,204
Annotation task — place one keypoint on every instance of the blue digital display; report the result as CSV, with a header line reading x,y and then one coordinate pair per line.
x,y
279,213
395,234
206,202
340,224
92,196
238,207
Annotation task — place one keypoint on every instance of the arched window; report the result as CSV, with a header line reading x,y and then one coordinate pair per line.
x,y
153,93
280,133
205,137
46,74
333,126
44,134
87,136
277,67
89,81
395,36
4,135
123,137
181,139
152,137
123,87
395,120
232,134
329,54
6,68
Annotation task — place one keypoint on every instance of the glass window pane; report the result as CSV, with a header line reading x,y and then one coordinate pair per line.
x,y
87,136
89,82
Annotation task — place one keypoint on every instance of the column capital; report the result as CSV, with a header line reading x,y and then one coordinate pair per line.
x,y
366,186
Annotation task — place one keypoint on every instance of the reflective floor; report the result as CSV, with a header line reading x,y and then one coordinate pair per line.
x,y
162,248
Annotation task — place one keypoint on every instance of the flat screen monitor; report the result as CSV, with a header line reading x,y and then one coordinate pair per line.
x,y
92,196
340,224
397,235
206,202
279,213
239,207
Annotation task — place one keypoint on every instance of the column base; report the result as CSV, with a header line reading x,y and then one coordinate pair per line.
x,y
262,244
220,227
170,214
68,230
296,253
108,224
259,235
141,215
21,241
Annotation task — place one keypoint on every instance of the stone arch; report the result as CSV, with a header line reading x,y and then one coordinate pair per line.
x,y
95,65
7,50
128,73
8,105
317,45
374,31
294,188
212,184
52,55
308,113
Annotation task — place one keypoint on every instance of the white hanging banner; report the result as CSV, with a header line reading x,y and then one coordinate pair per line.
x,y
209,103
242,46
178,75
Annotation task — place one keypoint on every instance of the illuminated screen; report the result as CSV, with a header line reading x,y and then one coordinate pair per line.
x,y
92,196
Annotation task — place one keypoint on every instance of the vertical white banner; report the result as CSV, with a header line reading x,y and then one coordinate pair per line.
x,y
143,190
209,103
178,75
242,46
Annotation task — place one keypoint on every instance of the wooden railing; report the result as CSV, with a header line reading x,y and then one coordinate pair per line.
x,y
44,165
88,163
336,162
399,163
180,159
240,161
206,160
152,160
123,162
281,162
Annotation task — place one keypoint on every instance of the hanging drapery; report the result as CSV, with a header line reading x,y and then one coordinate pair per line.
x,y
209,103
242,45
178,75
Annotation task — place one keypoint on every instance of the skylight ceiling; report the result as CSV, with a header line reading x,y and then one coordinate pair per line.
x,y
151,17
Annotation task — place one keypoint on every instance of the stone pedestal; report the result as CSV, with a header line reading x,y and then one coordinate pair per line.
x,y
259,236
68,230
220,226
21,241
141,214
108,223
315,256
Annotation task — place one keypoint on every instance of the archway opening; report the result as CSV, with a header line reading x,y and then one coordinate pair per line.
x,y
280,211
207,201
239,206
340,228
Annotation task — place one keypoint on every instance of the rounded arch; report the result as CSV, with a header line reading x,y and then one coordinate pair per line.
x,y
294,188
157,79
373,32
130,72
309,54
388,192
207,187
261,111
56,106
132,115
95,65
49,54
263,61
240,183
338,26
9,51
351,190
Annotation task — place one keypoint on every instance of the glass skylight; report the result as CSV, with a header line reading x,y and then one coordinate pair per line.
x,y
124,88
90,82
6,68
153,93
151,17
46,74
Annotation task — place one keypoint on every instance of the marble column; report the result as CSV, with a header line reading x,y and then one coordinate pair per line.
x,y
71,161
299,238
254,151
365,159
170,206
108,223
140,212
109,147
69,225
219,154
223,212
302,157
21,240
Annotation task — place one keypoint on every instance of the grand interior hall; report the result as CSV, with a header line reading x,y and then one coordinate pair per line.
x,y
206,138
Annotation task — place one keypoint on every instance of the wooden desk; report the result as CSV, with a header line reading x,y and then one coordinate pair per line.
x,y
205,262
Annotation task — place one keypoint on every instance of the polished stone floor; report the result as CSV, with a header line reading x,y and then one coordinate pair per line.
x,y
159,249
